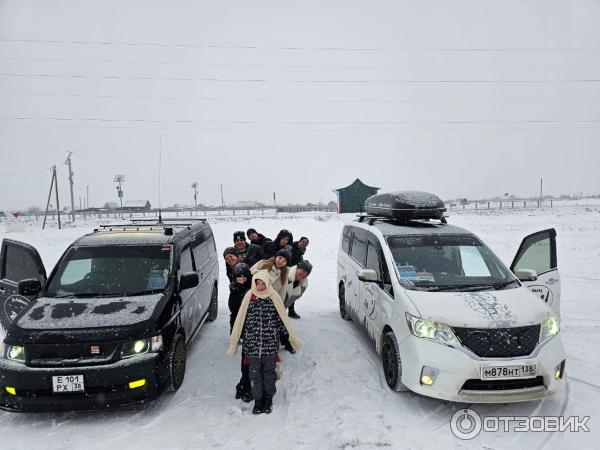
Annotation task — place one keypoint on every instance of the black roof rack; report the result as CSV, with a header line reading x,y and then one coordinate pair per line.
x,y
179,221
372,218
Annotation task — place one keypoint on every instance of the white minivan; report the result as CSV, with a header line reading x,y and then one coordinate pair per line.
x,y
448,318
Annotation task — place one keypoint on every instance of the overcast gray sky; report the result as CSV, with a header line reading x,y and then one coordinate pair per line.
x,y
461,98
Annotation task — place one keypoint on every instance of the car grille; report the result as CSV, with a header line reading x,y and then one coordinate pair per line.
x,y
499,342
502,385
69,355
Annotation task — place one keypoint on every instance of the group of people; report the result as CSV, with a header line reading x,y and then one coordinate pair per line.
x,y
267,278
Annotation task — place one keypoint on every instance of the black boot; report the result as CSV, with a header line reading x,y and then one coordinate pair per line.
x,y
268,404
259,406
239,391
292,313
247,396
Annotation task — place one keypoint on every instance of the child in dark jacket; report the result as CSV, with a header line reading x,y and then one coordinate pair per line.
x,y
261,319
242,281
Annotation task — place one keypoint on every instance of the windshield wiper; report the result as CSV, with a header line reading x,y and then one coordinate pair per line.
x,y
146,292
499,286
86,295
466,287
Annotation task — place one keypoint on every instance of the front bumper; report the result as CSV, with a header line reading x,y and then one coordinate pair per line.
x,y
106,386
457,366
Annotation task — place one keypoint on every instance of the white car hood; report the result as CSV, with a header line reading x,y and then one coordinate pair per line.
x,y
484,309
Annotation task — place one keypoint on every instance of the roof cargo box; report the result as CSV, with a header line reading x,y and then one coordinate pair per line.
x,y
406,205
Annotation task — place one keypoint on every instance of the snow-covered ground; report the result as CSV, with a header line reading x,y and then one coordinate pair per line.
x,y
333,393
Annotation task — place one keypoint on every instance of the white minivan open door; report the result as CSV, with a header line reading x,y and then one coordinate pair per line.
x,y
535,265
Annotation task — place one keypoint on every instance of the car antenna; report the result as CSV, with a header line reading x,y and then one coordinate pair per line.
x,y
159,172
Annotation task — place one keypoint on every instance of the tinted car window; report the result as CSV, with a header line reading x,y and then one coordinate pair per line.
x,y
186,264
20,265
359,246
346,240
373,261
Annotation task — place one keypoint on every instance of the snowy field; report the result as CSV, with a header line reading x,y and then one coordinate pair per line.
x,y
333,393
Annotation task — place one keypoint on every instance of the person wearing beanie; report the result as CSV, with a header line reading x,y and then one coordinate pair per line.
x,y
297,284
242,282
231,256
248,253
256,238
272,247
278,270
298,250
259,322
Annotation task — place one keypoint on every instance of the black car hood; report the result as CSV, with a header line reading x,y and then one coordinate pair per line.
x,y
54,320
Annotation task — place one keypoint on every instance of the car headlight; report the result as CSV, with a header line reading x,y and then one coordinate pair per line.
x,y
549,328
14,353
141,346
429,329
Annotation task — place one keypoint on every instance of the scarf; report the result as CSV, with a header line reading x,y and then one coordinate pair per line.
x,y
269,292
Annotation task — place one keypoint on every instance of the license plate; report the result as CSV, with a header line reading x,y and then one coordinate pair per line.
x,y
67,383
508,372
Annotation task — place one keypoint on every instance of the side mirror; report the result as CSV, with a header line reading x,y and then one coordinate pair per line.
x,y
368,275
188,280
28,287
526,275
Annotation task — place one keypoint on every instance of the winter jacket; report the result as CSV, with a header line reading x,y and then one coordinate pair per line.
x,y
272,247
295,289
251,254
261,241
274,274
236,295
262,328
297,254
262,317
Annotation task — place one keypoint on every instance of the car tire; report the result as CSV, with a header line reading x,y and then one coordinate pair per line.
x,y
213,308
177,362
342,297
392,364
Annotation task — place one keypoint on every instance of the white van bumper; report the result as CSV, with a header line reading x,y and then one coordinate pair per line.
x,y
458,375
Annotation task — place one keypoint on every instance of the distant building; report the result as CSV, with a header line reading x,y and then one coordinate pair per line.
x,y
352,198
142,205
111,205
332,205
246,204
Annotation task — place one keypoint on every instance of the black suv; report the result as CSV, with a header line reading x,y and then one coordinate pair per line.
x,y
111,324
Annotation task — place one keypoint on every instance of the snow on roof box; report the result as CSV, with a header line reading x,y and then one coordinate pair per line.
x,y
406,205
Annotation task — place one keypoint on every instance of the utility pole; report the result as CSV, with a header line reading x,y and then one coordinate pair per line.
x,y
195,188
541,190
68,163
87,197
49,196
222,200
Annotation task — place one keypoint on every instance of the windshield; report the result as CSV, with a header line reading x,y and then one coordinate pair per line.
x,y
112,271
448,263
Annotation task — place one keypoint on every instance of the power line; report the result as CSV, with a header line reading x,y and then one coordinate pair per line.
x,y
312,123
282,81
293,66
295,48
298,100
26,172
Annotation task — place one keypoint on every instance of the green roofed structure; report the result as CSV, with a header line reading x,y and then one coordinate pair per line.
x,y
352,198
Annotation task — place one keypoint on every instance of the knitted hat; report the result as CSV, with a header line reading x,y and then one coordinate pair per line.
x,y
305,265
241,270
304,238
239,235
286,253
